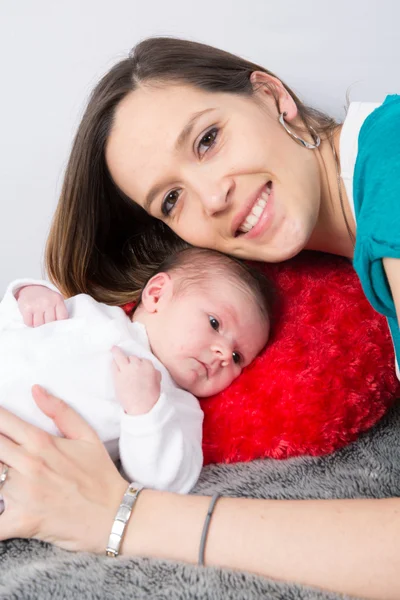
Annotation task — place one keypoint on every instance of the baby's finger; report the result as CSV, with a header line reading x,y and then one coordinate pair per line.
x,y
49,315
38,319
28,318
135,360
120,358
148,363
114,369
61,311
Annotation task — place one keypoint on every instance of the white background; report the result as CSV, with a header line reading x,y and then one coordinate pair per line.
x,y
52,52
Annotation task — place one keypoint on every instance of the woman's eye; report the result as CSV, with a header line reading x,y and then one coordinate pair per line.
x,y
214,323
207,141
168,204
237,359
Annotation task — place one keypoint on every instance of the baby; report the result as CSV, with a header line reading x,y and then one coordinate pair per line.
x,y
201,318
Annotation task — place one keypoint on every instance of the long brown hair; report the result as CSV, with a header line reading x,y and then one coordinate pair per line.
x,y
101,242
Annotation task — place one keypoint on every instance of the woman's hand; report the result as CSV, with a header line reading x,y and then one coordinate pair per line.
x,y
39,305
63,491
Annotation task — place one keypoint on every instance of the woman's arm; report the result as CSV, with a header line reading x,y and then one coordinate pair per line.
x,y
392,269
67,491
348,546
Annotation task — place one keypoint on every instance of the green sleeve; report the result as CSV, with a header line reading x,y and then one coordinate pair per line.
x,y
377,202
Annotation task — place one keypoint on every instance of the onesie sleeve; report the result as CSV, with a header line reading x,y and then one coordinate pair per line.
x,y
162,449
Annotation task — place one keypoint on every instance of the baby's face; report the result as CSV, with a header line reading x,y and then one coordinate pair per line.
x,y
207,333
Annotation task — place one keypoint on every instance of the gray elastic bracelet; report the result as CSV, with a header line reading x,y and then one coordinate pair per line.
x,y
206,527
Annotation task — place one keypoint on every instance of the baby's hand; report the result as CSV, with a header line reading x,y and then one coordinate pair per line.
x,y
137,383
39,305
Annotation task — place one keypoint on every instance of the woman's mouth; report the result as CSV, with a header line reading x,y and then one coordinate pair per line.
x,y
253,217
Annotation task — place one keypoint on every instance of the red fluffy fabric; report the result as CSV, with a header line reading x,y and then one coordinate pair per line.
x,y
326,375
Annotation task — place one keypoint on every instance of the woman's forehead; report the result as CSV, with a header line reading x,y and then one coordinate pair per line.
x,y
161,105
146,129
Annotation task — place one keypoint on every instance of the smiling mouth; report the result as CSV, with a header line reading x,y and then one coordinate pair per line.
x,y
254,215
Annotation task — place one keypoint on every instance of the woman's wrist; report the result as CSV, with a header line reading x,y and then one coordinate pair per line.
x,y
122,519
165,525
96,536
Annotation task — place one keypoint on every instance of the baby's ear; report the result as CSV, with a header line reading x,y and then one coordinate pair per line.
x,y
157,291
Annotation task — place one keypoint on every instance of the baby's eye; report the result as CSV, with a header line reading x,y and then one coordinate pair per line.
x,y
214,323
237,358
168,204
207,141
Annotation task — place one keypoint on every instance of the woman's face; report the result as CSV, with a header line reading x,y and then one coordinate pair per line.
x,y
217,168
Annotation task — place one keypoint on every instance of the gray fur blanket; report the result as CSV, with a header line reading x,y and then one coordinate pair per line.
x,y
368,468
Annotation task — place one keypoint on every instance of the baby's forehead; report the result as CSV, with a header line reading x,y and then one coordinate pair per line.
x,y
234,302
219,286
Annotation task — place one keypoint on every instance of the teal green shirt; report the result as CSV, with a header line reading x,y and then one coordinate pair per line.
x,y
376,190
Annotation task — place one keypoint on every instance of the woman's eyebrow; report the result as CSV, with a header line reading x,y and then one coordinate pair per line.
x,y
179,144
187,130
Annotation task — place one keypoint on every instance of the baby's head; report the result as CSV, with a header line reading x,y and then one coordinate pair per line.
x,y
207,317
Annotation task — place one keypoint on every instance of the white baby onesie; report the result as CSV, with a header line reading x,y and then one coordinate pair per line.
x,y
72,360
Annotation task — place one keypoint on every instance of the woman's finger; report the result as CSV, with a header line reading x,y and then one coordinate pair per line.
x,y
71,425
14,456
27,447
120,358
25,498
18,430
8,522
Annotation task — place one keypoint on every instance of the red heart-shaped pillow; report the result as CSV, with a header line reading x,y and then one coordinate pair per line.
x,y
326,375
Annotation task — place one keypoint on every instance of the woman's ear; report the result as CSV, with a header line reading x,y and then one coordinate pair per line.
x,y
267,86
157,291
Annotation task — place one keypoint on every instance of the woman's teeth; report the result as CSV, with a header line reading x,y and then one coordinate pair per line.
x,y
255,213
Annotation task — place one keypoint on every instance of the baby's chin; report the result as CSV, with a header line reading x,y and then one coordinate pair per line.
x,y
204,389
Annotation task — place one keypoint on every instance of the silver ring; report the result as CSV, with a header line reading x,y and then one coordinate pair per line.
x,y
3,475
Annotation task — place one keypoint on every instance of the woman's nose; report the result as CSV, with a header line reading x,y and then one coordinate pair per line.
x,y
215,196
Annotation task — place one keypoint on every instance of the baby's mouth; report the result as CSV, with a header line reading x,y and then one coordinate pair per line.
x,y
206,368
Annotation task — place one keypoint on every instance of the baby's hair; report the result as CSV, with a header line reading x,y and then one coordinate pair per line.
x,y
197,266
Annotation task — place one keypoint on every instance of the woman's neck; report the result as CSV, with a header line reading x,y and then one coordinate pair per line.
x,y
331,231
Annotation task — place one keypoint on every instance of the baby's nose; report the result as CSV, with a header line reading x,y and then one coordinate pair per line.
x,y
223,352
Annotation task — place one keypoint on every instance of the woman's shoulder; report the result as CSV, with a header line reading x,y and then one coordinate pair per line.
x,y
378,155
376,185
382,125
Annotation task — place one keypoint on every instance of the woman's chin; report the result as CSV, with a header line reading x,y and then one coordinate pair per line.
x,y
286,246
277,254
290,238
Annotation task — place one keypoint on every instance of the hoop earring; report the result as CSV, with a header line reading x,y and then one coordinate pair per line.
x,y
299,140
